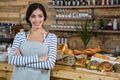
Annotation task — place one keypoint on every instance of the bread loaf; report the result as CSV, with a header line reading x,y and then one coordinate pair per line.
x,y
68,52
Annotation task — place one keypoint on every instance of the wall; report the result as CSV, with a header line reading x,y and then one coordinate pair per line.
x,y
14,14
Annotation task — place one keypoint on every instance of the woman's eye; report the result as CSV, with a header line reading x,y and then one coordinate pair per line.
x,y
33,16
40,16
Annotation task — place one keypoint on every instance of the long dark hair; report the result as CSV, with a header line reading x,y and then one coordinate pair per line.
x,y
32,7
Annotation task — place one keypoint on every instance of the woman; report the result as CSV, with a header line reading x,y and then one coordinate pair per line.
x,y
33,53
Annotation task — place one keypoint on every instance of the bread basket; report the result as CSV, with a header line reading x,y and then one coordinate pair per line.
x,y
65,59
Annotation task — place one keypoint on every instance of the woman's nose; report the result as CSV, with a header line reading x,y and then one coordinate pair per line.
x,y
36,19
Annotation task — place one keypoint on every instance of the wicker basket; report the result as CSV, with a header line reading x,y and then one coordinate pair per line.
x,y
65,60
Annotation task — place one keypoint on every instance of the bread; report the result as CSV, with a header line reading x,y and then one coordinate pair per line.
x,y
93,64
98,55
118,57
117,60
81,62
89,51
105,67
94,50
62,47
105,57
60,52
78,52
68,52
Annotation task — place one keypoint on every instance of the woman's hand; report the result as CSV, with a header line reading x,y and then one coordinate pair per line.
x,y
43,57
17,52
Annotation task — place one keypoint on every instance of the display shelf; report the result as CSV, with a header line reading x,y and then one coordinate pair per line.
x,y
7,40
74,30
85,7
93,17
72,19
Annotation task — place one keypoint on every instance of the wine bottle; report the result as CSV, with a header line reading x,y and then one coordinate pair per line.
x,y
115,23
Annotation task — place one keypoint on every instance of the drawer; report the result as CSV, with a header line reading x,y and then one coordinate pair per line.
x,y
63,74
111,78
76,75
9,74
84,76
5,66
3,74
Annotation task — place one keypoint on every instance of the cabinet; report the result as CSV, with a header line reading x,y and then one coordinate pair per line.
x,y
102,38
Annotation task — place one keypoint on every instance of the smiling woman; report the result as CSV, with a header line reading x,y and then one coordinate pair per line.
x,y
33,53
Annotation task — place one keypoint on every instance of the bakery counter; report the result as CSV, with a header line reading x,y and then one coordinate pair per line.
x,y
66,73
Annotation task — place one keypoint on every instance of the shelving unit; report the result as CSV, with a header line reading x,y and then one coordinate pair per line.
x,y
7,40
85,7
82,19
74,30
74,19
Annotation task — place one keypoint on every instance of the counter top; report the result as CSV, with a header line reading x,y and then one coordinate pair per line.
x,y
68,72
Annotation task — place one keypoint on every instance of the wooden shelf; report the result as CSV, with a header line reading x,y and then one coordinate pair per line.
x,y
14,4
108,31
72,19
61,29
7,40
74,30
86,7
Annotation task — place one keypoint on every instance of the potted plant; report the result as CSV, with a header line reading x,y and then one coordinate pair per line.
x,y
85,32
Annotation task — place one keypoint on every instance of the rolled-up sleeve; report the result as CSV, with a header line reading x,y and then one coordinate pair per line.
x,y
20,60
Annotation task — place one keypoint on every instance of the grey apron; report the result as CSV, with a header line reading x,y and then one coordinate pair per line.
x,y
24,73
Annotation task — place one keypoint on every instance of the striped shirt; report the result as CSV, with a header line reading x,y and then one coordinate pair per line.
x,y
33,61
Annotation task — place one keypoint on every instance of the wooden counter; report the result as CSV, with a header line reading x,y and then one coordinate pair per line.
x,y
66,72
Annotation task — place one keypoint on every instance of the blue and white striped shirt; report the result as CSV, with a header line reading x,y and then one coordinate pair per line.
x,y
33,61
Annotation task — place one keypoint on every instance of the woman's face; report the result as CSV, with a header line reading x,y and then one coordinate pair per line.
x,y
37,18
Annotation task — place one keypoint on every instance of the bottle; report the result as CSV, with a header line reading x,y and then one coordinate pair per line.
x,y
101,23
58,3
78,2
107,2
98,2
65,40
58,40
105,23
109,24
111,2
115,23
117,2
89,2
73,3
114,2
69,2
94,2
117,52
103,2
61,2
53,2
66,2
